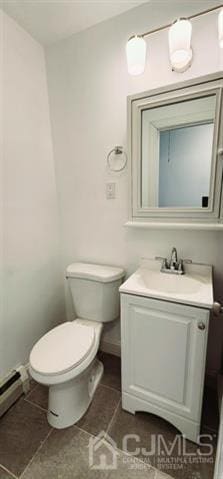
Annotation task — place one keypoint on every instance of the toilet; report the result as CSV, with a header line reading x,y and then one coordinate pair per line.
x,y
64,359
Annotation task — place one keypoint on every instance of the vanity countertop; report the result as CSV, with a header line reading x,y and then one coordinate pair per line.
x,y
194,288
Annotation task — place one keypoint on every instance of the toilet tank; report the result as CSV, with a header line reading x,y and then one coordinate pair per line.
x,y
95,290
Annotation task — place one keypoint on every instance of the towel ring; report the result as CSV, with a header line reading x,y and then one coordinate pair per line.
x,y
117,153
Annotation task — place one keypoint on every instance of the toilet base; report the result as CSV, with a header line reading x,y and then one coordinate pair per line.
x,y
69,401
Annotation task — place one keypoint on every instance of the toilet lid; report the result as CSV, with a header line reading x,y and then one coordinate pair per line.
x,y
63,348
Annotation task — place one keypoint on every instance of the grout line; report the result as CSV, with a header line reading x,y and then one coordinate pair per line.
x,y
109,387
158,473
38,449
31,390
95,435
83,430
139,459
36,405
162,475
113,416
9,472
127,454
147,466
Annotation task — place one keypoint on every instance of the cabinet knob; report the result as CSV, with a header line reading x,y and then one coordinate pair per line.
x,y
217,308
201,325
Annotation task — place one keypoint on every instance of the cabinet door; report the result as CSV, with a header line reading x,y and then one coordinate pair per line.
x,y
163,353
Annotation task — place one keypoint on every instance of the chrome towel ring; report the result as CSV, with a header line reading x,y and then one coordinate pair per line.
x,y
117,159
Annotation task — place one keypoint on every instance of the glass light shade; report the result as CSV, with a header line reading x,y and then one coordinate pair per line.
x,y
136,55
180,45
220,28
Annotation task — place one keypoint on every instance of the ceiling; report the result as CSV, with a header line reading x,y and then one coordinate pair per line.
x,y
51,20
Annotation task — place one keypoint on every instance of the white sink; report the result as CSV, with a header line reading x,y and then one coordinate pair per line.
x,y
195,287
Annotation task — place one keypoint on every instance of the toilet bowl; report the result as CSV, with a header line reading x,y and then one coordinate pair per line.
x,y
64,359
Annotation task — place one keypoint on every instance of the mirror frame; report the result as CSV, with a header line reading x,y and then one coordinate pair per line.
x,y
192,89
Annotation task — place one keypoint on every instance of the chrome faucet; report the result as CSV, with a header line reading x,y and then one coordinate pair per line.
x,y
173,259
174,265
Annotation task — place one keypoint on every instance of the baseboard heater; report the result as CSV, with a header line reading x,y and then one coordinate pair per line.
x,y
12,387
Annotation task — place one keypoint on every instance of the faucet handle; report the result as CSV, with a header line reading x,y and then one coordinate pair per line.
x,y
181,266
164,261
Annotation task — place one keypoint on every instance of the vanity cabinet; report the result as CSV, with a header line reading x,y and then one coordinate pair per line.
x,y
163,360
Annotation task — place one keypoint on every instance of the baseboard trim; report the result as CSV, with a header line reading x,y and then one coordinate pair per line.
x,y
110,348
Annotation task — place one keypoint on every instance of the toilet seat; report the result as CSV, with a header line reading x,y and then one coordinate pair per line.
x,y
62,349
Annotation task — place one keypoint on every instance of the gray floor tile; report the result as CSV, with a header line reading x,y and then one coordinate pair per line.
x,y
112,370
160,475
22,429
129,467
101,410
4,474
149,429
141,424
64,455
39,396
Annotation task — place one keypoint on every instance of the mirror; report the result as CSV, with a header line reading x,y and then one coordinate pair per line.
x,y
175,137
185,166
177,172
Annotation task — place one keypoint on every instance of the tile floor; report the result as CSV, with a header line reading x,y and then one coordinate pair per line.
x,y
31,449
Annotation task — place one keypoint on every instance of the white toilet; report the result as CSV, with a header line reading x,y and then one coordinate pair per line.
x,y
65,358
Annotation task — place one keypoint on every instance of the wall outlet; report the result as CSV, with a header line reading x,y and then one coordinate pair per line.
x,y
110,191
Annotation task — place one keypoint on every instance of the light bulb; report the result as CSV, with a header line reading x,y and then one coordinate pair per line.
x,y
180,45
136,55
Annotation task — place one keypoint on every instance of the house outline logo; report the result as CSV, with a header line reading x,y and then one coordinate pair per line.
x,y
107,459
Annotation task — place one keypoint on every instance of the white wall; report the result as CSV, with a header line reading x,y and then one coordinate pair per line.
x,y
88,86
32,280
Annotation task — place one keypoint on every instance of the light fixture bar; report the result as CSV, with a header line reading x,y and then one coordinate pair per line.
x,y
163,27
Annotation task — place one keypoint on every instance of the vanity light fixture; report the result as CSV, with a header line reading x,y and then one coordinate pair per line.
x,y
220,28
180,33
136,55
180,45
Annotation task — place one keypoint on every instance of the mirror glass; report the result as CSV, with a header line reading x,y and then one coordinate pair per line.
x,y
176,153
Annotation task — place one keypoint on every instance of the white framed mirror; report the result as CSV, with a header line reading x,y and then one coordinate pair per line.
x,y
175,145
